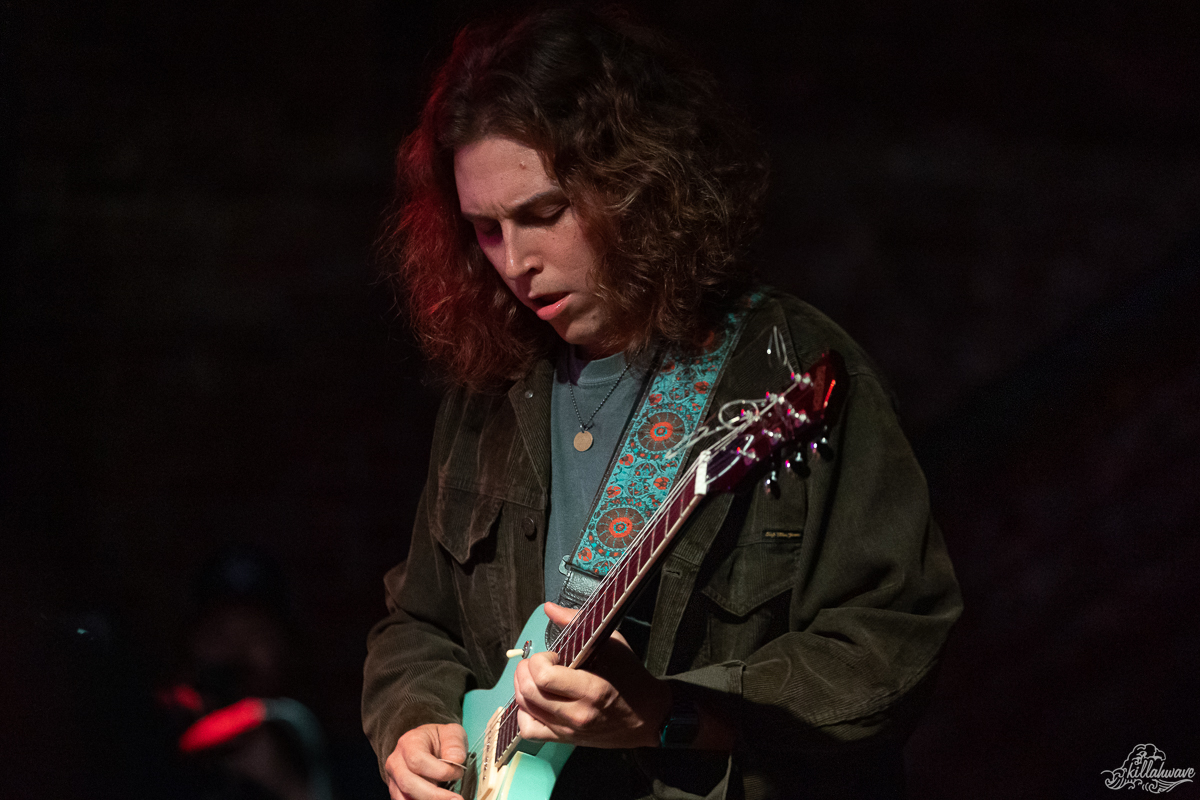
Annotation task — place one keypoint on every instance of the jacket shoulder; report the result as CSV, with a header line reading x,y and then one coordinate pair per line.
x,y
811,332
808,332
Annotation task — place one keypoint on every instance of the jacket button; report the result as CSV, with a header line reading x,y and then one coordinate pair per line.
x,y
529,394
529,528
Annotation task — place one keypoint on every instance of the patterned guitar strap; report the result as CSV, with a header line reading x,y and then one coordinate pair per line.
x,y
645,467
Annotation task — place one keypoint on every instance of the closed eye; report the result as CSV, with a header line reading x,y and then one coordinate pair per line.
x,y
545,216
542,211
487,231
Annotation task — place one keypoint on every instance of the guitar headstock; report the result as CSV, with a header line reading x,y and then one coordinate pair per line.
x,y
779,429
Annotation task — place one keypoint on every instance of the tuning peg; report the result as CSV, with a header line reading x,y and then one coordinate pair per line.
x,y
771,484
821,449
795,463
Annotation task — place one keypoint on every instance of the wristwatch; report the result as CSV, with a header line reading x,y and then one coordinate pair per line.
x,y
682,724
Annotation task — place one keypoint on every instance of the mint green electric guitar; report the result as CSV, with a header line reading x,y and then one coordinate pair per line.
x,y
760,436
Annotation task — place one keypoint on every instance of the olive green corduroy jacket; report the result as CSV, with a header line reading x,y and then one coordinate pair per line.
x,y
815,618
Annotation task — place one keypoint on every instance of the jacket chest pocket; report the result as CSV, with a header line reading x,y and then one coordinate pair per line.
x,y
495,544
466,524
462,520
750,587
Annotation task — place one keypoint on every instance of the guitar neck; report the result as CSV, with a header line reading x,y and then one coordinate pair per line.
x,y
599,616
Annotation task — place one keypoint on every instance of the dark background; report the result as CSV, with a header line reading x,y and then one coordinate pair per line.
x,y
999,200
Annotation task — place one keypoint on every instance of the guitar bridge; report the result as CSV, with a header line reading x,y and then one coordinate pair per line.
x,y
469,784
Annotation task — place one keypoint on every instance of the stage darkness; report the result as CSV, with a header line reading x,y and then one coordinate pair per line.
x,y
998,200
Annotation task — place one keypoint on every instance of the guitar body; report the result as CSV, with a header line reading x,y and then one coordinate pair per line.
x,y
533,769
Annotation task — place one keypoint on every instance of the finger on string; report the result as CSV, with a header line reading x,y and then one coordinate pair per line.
x,y
539,704
567,685
533,728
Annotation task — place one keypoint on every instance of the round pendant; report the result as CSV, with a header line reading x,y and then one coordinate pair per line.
x,y
583,440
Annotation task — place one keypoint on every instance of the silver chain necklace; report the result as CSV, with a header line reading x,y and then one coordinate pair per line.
x,y
583,439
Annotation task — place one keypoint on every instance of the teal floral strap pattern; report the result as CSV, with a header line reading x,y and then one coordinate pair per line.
x,y
643,473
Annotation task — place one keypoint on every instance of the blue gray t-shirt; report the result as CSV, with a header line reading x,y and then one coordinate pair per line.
x,y
575,476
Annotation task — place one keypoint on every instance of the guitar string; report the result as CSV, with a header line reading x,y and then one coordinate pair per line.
x,y
611,579
590,604
734,429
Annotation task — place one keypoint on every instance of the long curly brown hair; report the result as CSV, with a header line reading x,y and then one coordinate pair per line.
x,y
666,179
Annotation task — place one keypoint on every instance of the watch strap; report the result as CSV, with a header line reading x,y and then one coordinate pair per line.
x,y
682,725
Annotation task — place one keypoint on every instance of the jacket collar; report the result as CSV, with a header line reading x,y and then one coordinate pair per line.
x,y
530,400
748,369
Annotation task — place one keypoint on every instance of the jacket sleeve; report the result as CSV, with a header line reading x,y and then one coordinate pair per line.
x,y
416,670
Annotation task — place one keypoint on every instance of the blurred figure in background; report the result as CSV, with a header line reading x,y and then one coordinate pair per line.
x,y
246,737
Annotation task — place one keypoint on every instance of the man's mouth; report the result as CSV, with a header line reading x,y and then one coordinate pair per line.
x,y
548,306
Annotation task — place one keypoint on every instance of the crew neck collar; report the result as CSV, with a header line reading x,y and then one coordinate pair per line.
x,y
583,372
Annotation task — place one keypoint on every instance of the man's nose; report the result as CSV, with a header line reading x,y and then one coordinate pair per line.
x,y
520,252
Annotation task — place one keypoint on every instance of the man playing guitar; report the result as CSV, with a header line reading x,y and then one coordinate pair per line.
x,y
572,244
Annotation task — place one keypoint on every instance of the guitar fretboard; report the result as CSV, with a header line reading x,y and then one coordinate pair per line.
x,y
607,603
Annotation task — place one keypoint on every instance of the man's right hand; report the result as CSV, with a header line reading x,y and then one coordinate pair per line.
x,y
414,769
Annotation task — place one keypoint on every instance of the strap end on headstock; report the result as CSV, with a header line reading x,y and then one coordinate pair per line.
x,y
702,471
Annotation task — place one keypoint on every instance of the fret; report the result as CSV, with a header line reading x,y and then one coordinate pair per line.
x,y
508,729
571,646
583,633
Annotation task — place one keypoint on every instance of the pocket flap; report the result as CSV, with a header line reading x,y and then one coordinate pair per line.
x,y
463,519
760,567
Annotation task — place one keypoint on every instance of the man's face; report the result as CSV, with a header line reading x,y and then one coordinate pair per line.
x,y
530,233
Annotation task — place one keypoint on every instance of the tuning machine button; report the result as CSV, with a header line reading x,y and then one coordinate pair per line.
x,y
795,463
771,484
821,449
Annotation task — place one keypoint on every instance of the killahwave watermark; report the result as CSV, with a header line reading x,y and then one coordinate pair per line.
x,y
1143,769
